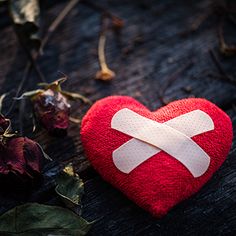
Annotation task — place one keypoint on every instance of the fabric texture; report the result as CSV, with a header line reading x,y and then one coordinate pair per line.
x,y
160,182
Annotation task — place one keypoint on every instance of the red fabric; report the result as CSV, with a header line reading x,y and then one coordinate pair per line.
x,y
161,182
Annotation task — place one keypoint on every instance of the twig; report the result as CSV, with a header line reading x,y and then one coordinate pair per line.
x,y
200,20
220,68
99,8
52,28
177,73
171,79
232,19
218,64
221,77
30,57
21,116
105,73
57,22
25,76
224,47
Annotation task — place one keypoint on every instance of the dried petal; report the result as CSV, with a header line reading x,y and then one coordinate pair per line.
x,y
20,156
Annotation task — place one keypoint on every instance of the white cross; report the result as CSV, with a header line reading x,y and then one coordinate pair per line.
x,y
151,137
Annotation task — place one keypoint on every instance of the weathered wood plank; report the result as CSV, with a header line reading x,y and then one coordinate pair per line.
x,y
152,50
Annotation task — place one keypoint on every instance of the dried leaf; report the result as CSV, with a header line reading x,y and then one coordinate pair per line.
x,y
55,85
30,94
75,96
69,186
25,16
33,219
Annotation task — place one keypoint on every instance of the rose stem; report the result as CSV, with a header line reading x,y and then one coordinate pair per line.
x,y
52,28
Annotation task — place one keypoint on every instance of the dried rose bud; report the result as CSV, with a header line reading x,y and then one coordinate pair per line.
x,y
52,111
19,156
51,106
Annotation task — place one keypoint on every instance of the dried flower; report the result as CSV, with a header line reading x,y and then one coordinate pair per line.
x,y
51,106
20,156
52,111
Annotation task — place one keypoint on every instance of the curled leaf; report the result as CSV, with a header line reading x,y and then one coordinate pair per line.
x,y
69,186
55,85
25,16
30,94
38,220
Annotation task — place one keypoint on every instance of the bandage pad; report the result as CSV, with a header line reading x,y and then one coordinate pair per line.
x,y
173,137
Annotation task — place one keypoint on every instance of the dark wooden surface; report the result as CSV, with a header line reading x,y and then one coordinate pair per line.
x,y
153,48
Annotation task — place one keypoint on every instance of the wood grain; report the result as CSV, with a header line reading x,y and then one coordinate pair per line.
x,y
149,62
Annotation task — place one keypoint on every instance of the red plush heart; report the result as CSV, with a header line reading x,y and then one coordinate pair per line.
x,y
160,182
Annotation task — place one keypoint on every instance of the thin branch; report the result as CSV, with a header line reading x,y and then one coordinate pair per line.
x,y
223,73
25,76
57,22
224,47
30,57
21,116
99,8
200,20
105,73
52,28
232,19
171,79
177,73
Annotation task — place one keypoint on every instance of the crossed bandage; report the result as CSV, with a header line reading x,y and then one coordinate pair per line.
x,y
151,137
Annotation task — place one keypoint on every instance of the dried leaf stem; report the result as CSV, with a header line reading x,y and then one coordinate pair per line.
x,y
52,28
105,74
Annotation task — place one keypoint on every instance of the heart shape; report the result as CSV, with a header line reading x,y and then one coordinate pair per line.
x,y
160,182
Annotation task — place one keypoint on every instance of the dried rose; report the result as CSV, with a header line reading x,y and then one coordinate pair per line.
x,y
51,106
19,156
52,111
